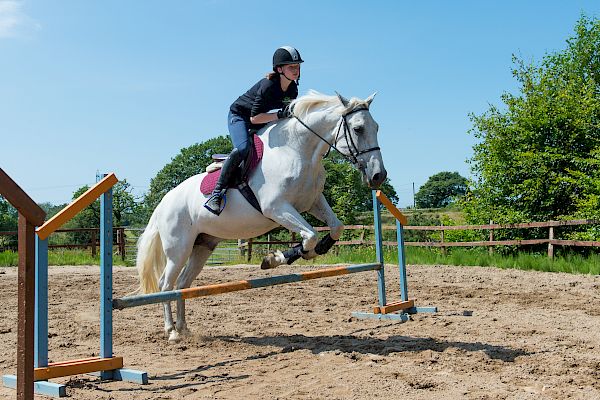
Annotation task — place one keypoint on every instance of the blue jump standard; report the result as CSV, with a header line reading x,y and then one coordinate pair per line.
x,y
404,316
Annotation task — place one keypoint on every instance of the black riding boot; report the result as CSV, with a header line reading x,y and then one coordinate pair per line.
x,y
213,204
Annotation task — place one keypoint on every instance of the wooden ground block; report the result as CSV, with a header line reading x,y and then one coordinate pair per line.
x,y
75,367
391,307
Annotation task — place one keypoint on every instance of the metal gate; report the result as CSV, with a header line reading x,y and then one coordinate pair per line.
x,y
227,252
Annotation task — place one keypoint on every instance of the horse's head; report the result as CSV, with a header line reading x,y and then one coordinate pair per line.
x,y
357,140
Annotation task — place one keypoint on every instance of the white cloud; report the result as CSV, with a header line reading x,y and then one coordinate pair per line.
x,y
13,21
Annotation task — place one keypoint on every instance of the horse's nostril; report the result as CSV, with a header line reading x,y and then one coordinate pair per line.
x,y
376,177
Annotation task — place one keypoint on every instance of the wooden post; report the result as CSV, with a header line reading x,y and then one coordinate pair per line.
x,y
242,247
26,307
94,238
491,249
442,241
249,249
30,215
550,245
121,242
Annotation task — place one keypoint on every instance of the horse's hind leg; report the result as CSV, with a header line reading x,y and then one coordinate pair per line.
x,y
165,285
169,325
198,258
177,254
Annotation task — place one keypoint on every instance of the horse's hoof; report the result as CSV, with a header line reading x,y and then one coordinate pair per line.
x,y
174,336
269,262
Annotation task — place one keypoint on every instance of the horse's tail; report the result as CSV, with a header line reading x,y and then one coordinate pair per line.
x,y
151,259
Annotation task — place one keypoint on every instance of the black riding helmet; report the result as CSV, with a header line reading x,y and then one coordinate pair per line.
x,y
286,55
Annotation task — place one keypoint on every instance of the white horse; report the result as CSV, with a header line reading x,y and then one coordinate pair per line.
x,y
289,180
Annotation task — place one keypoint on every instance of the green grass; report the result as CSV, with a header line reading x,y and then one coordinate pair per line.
x,y
570,263
567,262
8,259
60,257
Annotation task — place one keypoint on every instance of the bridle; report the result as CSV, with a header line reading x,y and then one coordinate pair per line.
x,y
354,150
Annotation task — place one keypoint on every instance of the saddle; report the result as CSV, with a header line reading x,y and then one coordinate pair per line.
x,y
240,180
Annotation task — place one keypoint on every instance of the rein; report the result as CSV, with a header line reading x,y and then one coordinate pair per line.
x,y
354,151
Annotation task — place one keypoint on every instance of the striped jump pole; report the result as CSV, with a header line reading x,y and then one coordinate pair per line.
x,y
384,310
211,290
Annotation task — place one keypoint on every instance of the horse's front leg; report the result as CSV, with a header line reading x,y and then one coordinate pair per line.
x,y
323,212
288,217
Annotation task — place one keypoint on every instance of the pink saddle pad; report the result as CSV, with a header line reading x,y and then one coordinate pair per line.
x,y
210,180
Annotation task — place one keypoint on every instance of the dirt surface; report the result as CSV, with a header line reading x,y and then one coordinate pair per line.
x,y
499,334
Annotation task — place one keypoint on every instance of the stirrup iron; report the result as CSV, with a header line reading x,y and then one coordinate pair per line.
x,y
221,197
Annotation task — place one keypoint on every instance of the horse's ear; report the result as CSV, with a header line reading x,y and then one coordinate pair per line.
x,y
344,100
370,98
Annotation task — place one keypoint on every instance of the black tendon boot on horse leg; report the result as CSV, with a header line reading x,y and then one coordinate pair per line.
x,y
213,204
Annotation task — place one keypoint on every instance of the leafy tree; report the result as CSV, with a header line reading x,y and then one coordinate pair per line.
x,y
538,159
124,210
9,221
441,190
51,209
9,217
190,161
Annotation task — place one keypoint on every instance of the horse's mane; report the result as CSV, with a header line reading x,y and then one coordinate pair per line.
x,y
313,100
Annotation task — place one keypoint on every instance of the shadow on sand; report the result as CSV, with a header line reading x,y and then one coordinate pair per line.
x,y
345,344
366,345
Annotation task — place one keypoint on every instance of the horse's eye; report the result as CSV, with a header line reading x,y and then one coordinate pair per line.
x,y
359,129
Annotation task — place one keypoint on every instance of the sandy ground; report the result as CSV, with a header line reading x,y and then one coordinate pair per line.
x,y
499,334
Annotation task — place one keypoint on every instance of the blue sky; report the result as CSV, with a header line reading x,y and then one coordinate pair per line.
x,y
124,85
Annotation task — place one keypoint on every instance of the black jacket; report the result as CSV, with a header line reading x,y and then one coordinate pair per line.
x,y
264,96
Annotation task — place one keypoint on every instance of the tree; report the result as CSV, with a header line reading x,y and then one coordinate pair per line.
x,y
9,221
441,190
9,217
124,210
190,161
51,209
538,159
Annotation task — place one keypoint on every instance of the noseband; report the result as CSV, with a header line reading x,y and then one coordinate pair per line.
x,y
353,149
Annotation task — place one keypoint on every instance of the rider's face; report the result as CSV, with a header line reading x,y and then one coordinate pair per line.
x,y
292,71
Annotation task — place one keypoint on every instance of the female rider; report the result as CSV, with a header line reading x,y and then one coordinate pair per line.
x,y
251,111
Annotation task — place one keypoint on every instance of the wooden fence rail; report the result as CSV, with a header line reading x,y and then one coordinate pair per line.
x,y
94,242
246,246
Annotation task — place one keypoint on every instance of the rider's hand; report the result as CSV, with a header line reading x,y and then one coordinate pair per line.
x,y
285,112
